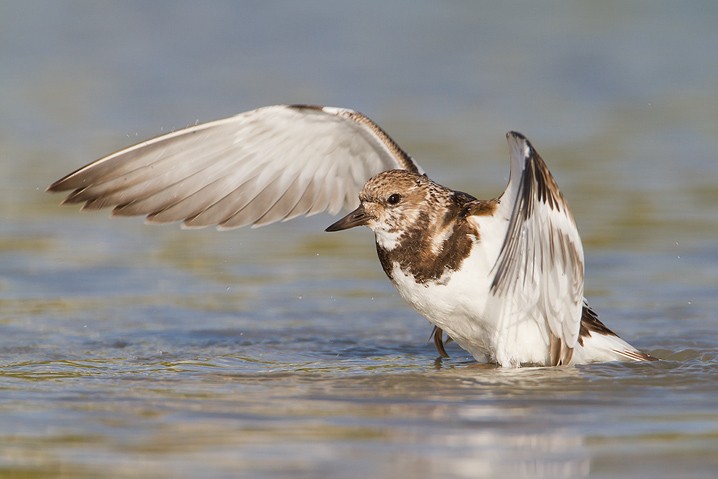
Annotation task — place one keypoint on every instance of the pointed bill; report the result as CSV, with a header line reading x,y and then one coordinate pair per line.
x,y
358,217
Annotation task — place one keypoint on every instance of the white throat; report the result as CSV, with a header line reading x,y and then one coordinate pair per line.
x,y
388,241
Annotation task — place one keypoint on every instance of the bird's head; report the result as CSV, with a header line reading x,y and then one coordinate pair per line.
x,y
390,203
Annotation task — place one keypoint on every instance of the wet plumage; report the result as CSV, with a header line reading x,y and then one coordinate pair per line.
x,y
501,277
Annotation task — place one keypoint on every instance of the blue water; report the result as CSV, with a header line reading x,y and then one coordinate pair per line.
x,y
129,350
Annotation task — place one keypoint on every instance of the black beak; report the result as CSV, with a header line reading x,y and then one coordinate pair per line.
x,y
358,217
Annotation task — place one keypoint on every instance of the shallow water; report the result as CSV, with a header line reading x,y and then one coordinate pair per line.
x,y
128,350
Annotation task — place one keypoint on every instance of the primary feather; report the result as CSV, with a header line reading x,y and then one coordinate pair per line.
x,y
256,168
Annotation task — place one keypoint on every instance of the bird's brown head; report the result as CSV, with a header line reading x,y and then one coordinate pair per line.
x,y
390,203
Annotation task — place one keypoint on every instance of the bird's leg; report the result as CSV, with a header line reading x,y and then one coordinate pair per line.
x,y
438,335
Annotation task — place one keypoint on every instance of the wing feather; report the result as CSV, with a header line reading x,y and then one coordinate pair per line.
x,y
262,166
538,275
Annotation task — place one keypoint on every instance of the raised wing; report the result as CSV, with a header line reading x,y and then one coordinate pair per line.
x,y
539,272
262,166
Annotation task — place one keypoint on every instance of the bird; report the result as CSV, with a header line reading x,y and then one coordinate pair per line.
x,y
503,278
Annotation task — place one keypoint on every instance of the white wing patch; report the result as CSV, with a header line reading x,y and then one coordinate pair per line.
x,y
538,276
262,166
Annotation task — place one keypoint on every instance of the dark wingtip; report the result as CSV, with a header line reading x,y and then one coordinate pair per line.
x,y
55,187
301,106
640,356
65,183
520,137
516,134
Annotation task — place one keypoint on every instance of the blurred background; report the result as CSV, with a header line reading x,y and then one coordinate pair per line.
x,y
619,93
120,341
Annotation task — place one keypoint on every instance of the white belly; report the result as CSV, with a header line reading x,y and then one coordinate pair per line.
x,y
455,303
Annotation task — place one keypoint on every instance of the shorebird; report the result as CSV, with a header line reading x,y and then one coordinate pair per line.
x,y
503,277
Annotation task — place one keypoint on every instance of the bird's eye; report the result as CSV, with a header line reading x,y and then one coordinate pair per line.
x,y
394,199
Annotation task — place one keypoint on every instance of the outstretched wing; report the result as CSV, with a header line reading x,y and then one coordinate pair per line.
x,y
539,272
262,166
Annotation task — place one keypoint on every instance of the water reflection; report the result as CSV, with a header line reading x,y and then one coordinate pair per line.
x,y
498,454
461,421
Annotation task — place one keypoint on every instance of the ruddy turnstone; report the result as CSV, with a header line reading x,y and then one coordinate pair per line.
x,y
502,277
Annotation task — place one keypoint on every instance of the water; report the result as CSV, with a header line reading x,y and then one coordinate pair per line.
x,y
128,350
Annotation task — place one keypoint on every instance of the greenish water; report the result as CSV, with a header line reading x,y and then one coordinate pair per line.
x,y
141,351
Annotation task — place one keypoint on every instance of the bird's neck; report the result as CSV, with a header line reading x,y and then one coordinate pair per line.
x,y
428,249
